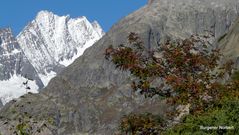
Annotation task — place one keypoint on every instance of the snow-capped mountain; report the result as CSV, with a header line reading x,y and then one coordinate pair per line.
x,y
15,69
51,42
43,48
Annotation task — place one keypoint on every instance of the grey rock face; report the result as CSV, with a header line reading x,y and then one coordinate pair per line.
x,y
90,95
228,44
12,59
1,104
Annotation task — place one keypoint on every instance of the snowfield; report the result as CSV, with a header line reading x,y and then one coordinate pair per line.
x,y
14,88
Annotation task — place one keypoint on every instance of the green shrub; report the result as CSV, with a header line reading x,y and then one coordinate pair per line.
x,y
223,114
22,129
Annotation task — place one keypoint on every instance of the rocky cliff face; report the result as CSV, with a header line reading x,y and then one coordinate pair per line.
x,y
90,96
229,44
52,42
14,69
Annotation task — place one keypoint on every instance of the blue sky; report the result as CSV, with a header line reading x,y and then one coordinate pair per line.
x,y
17,13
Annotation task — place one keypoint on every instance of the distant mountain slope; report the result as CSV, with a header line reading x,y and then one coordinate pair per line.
x,y
15,69
90,95
52,42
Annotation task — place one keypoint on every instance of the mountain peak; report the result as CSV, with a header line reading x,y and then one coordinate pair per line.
x,y
45,16
56,41
44,13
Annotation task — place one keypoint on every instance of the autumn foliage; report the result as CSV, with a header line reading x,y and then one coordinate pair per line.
x,y
183,71
141,124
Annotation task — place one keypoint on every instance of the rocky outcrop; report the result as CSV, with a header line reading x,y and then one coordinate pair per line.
x,y
90,95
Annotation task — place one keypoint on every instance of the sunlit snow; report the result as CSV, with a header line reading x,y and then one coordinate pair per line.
x,y
80,51
14,88
47,77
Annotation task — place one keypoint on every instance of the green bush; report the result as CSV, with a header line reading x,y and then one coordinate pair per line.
x,y
223,114
22,129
